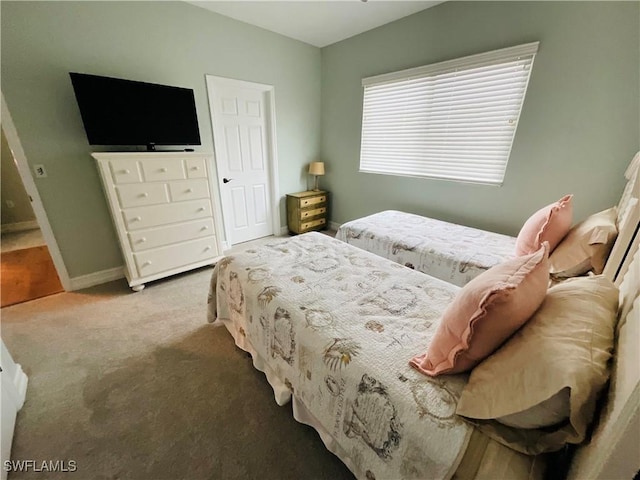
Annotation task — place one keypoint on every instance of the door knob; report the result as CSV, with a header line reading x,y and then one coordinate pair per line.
x,y
226,180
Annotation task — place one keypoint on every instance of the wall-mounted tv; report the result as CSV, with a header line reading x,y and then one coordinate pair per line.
x,y
119,112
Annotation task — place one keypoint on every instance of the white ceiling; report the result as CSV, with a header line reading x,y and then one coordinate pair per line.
x,y
318,23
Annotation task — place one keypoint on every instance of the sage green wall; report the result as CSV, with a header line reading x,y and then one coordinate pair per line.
x,y
171,43
578,130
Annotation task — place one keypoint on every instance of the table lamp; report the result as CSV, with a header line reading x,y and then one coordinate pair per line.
x,y
316,169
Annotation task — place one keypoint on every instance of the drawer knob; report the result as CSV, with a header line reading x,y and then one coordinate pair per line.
x,y
136,219
195,168
144,194
207,248
142,240
147,263
205,228
126,171
163,170
189,190
201,209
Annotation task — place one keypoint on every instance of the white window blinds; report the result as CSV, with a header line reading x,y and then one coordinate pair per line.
x,y
454,120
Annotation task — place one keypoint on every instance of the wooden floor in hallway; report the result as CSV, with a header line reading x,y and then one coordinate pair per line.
x,y
26,274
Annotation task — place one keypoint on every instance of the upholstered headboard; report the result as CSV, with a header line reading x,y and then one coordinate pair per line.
x,y
628,222
632,188
612,452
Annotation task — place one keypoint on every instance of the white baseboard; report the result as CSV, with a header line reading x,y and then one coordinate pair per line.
x,y
96,278
332,226
19,226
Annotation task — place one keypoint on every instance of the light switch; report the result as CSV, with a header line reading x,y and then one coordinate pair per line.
x,y
40,171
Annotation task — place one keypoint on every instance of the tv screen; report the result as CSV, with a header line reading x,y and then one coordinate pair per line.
x,y
125,112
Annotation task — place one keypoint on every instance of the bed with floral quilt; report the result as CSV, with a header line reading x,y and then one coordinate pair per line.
x,y
332,327
448,251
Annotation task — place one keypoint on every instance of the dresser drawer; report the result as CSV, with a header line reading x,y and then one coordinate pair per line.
x,y
124,171
166,258
306,202
137,195
312,213
160,236
196,168
188,190
155,170
313,223
153,216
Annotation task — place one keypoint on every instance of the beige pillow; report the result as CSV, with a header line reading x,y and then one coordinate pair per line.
x,y
566,344
545,414
586,246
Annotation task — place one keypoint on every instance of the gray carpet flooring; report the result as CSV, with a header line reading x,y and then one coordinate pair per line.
x,y
139,386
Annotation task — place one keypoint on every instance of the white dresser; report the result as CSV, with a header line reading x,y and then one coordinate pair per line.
x,y
162,205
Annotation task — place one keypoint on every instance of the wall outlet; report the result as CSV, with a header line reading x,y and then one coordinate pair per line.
x,y
40,171
10,204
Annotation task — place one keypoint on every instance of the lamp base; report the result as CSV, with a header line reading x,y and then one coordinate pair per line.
x,y
315,184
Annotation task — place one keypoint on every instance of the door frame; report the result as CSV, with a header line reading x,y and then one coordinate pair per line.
x,y
20,159
272,151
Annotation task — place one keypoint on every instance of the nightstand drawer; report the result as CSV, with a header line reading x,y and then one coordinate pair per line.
x,y
155,170
166,258
156,215
188,190
137,195
307,211
305,202
180,232
312,213
313,223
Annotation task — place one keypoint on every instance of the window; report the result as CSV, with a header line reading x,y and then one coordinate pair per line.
x,y
454,120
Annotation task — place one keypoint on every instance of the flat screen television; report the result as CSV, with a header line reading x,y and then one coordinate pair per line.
x,y
125,112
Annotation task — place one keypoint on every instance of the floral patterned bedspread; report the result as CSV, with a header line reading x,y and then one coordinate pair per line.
x,y
336,326
444,250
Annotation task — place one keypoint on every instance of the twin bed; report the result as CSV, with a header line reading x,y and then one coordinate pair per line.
x,y
333,326
453,253
457,253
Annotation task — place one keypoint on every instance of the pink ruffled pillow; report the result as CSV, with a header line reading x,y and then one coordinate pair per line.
x,y
486,311
549,224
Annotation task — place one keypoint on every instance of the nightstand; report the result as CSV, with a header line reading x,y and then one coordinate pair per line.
x,y
307,211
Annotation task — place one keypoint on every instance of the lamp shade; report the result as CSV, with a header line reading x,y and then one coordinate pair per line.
x,y
316,168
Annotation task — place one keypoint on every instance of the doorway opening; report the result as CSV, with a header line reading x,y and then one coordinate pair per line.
x,y
27,268
30,261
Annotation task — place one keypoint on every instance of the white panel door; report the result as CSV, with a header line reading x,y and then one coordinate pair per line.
x,y
241,137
